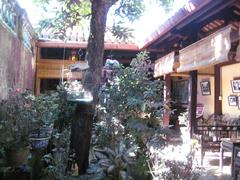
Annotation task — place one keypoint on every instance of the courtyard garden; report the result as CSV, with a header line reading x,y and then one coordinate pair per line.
x,y
128,140
87,92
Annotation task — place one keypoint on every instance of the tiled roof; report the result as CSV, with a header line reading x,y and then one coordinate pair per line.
x,y
78,36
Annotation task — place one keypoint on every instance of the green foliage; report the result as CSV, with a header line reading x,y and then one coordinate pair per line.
x,y
120,32
16,121
130,9
135,94
22,113
46,108
65,14
69,13
66,110
130,115
56,162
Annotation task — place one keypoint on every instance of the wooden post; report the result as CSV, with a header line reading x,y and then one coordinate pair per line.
x,y
217,90
167,94
37,79
192,100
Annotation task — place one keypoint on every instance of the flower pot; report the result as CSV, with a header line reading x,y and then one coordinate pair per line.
x,y
39,139
17,156
58,154
47,130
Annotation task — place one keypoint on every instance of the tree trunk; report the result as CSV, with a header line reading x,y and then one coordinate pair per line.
x,y
81,135
95,48
82,125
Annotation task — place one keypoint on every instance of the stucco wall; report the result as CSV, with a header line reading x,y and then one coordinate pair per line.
x,y
229,73
207,100
16,63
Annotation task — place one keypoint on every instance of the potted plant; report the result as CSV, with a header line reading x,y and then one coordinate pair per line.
x,y
46,110
16,125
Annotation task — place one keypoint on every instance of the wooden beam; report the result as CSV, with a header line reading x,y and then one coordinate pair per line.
x,y
216,10
107,45
192,100
187,75
211,7
180,74
217,91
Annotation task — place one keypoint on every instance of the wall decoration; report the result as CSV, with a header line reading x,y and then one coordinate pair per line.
x,y
235,86
232,100
205,87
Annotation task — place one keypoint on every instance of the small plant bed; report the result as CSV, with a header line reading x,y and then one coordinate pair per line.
x,y
29,127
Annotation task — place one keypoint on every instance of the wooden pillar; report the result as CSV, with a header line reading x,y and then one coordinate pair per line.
x,y
192,100
37,79
167,94
217,90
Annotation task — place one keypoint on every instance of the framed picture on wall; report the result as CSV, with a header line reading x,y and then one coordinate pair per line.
x,y
205,88
233,100
235,86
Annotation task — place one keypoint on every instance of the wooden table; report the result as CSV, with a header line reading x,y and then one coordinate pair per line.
x,y
229,145
210,136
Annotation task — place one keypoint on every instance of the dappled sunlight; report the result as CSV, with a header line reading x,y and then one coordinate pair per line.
x,y
172,159
76,92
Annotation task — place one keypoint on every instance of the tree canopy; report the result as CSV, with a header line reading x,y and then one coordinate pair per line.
x,y
66,14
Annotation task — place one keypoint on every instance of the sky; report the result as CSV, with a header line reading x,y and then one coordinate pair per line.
x,y
153,17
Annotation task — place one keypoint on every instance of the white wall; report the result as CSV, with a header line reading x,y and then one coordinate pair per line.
x,y
207,100
228,73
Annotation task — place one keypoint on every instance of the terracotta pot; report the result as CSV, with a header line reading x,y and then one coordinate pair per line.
x,y
17,157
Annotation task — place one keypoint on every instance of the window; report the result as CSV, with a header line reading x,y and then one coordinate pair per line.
x,y
180,91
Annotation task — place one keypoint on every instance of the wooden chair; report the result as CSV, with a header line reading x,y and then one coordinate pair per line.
x,y
236,162
209,136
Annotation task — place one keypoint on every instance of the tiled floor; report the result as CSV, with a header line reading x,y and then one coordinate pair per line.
x,y
211,170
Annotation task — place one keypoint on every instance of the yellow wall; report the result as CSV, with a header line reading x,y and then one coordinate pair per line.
x,y
208,100
228,73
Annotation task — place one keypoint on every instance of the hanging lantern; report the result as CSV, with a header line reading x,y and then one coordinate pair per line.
x,y
74,56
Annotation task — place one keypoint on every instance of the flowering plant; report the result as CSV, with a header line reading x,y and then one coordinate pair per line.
x,y
16,119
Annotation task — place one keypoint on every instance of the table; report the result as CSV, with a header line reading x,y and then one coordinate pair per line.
x,y
229,145
210,136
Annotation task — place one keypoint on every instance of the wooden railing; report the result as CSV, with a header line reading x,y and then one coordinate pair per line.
x,y
209,136
55,69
